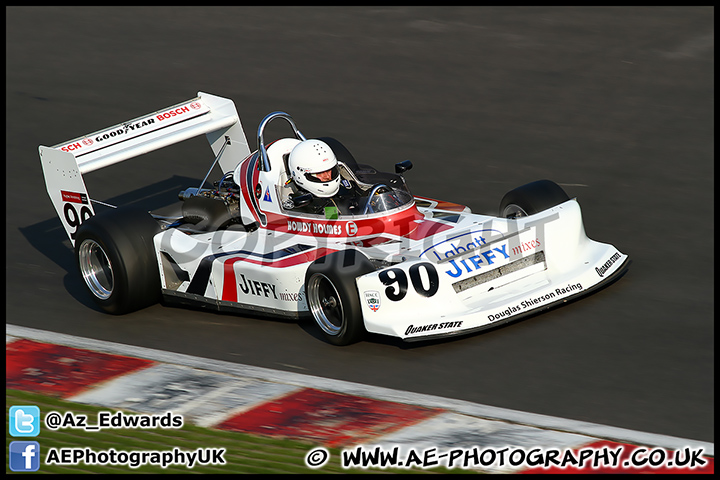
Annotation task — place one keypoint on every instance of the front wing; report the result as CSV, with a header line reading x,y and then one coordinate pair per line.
x,y
531,264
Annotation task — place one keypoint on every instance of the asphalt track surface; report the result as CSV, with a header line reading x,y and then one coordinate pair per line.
x,y
615,104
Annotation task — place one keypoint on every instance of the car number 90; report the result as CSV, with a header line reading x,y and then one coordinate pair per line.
x,y
396,281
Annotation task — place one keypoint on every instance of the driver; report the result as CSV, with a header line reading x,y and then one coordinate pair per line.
x,y
314,169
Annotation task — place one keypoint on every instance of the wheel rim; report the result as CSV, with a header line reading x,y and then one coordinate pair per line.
x,y
325,304
96,269
514,211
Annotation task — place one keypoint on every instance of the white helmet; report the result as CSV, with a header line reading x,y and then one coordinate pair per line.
x,y
310,158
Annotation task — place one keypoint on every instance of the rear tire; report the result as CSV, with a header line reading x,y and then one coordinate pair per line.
x,y
116,258
333,298
531,199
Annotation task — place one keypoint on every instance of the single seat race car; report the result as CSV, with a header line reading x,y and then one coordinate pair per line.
x,y
378,260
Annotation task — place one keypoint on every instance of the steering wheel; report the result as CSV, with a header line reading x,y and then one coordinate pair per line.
x,y
377,188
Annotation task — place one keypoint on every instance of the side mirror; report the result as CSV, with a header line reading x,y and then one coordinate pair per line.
x,y
403,166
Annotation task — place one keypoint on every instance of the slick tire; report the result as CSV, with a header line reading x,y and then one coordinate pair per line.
x,y
531,199
333,298
115,255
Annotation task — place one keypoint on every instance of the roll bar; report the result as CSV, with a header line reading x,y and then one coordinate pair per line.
x,y
264,160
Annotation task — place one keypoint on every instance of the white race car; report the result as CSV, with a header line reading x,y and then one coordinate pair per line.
x,y
384,261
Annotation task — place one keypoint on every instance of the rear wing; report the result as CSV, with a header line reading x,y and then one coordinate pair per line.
x,y
65,163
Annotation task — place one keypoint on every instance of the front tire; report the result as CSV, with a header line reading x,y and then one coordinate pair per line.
x,y
531,199
333,298
115,255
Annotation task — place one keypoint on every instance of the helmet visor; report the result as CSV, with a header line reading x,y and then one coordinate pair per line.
x,y
324,176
